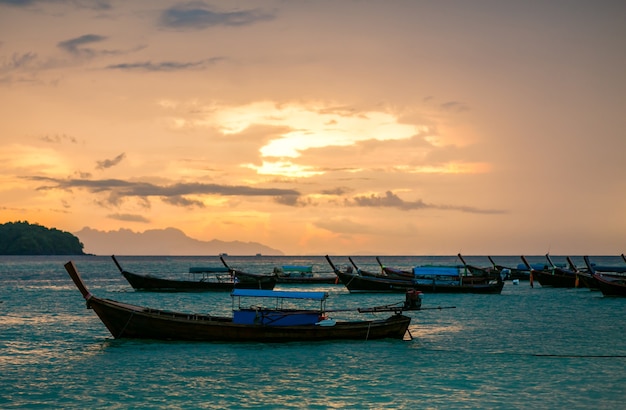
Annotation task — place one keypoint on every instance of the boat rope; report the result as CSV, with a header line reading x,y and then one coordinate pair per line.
x,y
369,325
409,332
125,326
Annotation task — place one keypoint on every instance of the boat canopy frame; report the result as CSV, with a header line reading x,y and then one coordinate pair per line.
x,y
279,295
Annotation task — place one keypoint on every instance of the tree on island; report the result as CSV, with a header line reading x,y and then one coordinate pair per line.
x,y
22,238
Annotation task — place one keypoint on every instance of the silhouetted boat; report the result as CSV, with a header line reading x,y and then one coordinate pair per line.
x,y
301,274
610,285
519,273
482,274
247,324
610,282
552,275
204,279
431,279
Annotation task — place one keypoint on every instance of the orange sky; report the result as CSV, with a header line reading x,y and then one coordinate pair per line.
x,y
313,127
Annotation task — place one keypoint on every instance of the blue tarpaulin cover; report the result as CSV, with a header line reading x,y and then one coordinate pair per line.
x,y
297,268
435,270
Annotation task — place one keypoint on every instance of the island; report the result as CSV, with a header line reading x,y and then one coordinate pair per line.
x,y
23,238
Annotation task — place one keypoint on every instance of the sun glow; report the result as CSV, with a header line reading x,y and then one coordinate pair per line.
x,y
285,168
449,168
310,126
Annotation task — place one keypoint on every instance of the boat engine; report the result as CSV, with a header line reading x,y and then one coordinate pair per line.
x,y
413,299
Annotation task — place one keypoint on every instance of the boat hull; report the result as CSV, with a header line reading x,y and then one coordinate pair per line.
x,y
610,286
556,279
151,283
362,284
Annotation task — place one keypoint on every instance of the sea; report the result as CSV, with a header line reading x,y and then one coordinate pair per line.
x,y
526,348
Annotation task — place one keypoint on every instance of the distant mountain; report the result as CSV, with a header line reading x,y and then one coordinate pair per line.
x,y
169,241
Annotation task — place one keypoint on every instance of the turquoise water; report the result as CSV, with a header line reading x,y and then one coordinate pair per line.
x,y
526,348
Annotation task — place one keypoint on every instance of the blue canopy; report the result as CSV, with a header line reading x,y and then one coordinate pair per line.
x,y
435,270
260,293
298,268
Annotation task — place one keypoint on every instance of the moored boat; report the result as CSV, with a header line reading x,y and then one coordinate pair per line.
x,y
478,274
301,274
511,273
552,275
247,324
215,278
610,282
610,285
427,279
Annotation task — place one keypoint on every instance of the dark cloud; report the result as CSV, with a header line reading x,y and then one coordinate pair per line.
x,y
164,65
336,191
129,218
79,46
454,106
76,46
58,138
108,163
89,4
182,201
18,61
18,3
292,200
198,15
391,200
173,194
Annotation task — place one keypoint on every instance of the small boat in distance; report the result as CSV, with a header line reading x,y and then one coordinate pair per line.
x,y
610,282
216,278
427,279
252,324
301,274
552,275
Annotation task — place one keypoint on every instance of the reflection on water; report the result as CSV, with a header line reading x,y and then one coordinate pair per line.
x,y
491,351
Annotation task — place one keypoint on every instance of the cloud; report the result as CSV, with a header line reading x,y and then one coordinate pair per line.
x,y
182,201
454,106
18,3
336,191
391,200
172,194
164,65
58,138
89,4
198,15
108,163
18,61
129,218
76,45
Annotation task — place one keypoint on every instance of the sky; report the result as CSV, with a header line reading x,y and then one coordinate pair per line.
x,y
320,127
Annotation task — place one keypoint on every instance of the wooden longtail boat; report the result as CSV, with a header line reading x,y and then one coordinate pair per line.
x,y
480,274
584,276
301,274
511,273
435,280
610,283
394,273
208,279
246,325
552,275
362,272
